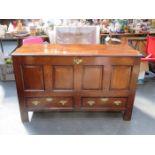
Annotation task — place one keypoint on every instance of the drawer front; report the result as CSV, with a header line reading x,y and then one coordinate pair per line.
x,y
103,102
50,102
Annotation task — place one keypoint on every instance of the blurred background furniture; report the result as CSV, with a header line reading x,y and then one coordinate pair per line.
x,y
18,40
150,49
33,40
147,47
76,35
138,43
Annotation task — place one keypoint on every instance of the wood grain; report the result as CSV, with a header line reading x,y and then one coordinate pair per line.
x,y
104,71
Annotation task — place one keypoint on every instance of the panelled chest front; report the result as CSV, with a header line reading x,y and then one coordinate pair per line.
x,y
76,78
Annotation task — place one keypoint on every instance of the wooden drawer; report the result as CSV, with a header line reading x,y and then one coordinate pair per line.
x,y
50,102
99,102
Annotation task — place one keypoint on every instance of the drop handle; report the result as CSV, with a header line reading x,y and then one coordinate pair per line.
x,y
117,102
35,103
91,103
63,102
77,61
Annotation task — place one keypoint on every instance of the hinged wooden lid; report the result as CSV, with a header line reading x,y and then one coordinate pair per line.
x,y
76,50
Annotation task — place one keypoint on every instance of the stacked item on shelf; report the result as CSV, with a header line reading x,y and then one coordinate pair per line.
x,y
6,68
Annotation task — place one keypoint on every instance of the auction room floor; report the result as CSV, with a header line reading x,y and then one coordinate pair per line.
x,y
74,123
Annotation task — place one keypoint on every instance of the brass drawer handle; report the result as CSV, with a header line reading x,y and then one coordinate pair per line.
x,y
117,102
35,103
63,102
91,103
77,60
104,99
49,99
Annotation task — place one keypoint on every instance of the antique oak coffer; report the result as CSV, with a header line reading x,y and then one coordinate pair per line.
x,y
76,78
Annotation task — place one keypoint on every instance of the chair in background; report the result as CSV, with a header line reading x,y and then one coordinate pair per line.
x,y
150,51
33,40
76,35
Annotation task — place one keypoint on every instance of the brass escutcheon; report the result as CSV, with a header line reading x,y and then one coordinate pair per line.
x,y
117,102
77,60
35,103
91,103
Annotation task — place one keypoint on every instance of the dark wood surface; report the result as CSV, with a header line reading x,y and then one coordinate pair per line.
x,y
76,78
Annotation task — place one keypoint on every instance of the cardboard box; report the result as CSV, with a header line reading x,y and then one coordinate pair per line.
x,y
6,72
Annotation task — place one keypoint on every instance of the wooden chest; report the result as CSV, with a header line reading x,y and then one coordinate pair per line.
x,y
76,78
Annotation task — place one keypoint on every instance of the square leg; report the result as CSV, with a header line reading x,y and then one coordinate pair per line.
x,y
127,115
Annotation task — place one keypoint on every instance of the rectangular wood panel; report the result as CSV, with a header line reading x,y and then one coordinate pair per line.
x,y
92,77
32,77
63,77
121,76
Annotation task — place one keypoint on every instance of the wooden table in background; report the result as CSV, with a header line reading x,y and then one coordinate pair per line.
x,y
18,39
124,36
